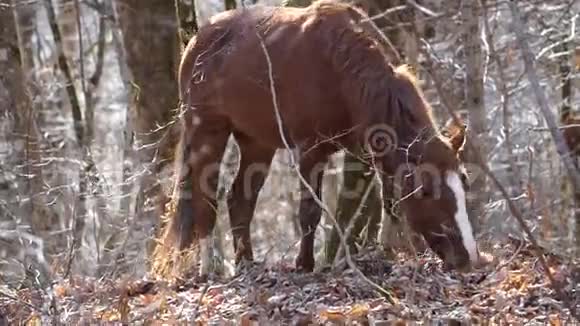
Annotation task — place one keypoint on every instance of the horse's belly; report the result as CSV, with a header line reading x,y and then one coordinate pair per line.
x,y
303,126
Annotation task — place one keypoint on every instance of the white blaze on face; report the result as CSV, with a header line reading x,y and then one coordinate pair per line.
x,y
454,182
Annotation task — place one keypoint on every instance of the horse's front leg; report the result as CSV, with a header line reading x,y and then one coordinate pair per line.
x,y
254,167
310,211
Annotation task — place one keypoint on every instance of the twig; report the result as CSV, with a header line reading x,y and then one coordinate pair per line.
x,y
199,300
558,127
355,216
386,12
425,10
71,253
507,262
384,37
530,190
294,165
11,297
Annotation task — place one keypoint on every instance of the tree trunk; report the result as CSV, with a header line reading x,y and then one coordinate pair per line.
x,y
66,13
19,178
152,52
359,207
187,21
474,96
567,117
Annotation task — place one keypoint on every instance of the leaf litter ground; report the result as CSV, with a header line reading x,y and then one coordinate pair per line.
x,y
514,290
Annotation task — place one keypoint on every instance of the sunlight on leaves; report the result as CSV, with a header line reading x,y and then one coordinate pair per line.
x,y
332,315
34,320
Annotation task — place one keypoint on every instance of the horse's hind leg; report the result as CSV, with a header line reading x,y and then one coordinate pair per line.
x,y
254,166
203,150
309,211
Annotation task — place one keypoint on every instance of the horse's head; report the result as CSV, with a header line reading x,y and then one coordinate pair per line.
x,y
435,203
430,181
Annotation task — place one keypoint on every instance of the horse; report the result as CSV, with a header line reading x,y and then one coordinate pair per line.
x,y
315,81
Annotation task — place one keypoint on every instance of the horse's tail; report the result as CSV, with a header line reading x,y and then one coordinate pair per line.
x,y
178,220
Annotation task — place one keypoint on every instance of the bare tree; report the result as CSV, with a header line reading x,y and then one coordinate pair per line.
x,y
474,99
20,174
186,19
568,116
152,50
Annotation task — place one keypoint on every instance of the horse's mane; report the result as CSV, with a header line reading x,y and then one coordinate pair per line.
x,y
405,74
329,6
371,82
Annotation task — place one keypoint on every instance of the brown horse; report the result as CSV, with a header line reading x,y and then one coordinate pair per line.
x,y
314,80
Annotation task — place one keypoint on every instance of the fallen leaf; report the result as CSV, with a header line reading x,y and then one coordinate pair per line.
x,y
61,291
147,299
110,315
34,320
358,311
276,300
555,320
336,316
124,309
247,319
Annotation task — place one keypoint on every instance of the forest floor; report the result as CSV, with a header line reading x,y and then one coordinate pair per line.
x,y
514,290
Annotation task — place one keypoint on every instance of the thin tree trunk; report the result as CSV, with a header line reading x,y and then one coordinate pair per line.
x,y
19,154
152,50
128,159
567,117
474,96
24,16
186,19
80,206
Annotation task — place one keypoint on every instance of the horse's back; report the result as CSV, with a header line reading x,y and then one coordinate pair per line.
x,y
228,62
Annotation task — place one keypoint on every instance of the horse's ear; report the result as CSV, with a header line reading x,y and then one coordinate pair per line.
x,y
458,139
